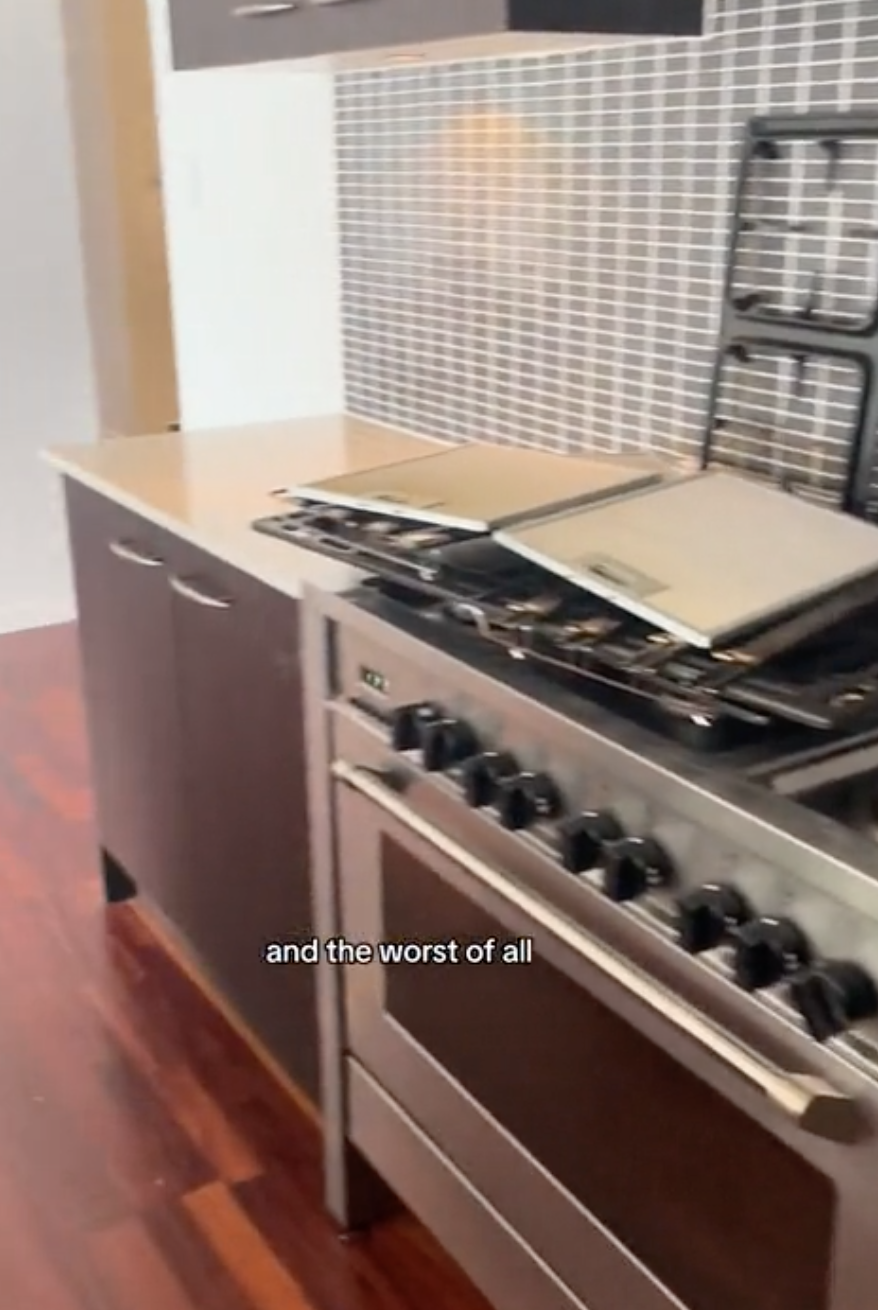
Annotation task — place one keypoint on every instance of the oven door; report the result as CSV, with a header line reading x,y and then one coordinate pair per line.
x,y
643,1154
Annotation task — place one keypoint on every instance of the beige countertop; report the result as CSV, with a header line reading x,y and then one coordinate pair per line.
x,y
208,487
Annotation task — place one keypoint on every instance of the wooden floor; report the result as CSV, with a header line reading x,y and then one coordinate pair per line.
x,y
147,1162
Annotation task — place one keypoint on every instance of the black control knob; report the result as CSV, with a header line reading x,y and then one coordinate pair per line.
x,y
446,742
706,917
526,797
632,866
407,723
766,951
832,997
582,839
482,775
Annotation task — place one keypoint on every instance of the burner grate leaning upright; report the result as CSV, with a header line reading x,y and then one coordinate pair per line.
x,y
793,395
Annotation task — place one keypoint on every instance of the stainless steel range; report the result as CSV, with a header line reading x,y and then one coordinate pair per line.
x,y
650,1077
605,787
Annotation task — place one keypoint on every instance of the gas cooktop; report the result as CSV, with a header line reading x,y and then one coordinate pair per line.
x,y
815,670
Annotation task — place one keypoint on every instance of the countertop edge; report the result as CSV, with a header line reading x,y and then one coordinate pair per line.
x,y
291,585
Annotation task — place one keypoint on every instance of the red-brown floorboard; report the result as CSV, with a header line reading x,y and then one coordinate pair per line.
x,y
147,1159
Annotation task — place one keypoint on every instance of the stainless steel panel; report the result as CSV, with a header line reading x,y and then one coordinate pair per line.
x,y
705,557
493,1255
477,487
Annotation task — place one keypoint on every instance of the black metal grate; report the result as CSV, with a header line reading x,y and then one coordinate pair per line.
x,y
800,310
773,417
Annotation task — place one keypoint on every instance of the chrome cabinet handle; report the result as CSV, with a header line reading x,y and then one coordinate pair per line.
x,y
266,10
189,592
812,1103
123,550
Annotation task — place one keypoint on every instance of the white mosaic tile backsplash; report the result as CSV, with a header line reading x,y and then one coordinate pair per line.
x,y
534,248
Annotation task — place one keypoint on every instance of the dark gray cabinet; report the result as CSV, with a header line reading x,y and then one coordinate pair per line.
x,y
120,568
243,756
194,701
213,33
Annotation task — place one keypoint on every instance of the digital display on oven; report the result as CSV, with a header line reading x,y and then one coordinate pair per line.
x,y
375,681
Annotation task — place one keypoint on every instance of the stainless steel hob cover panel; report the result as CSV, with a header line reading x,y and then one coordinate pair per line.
x,y
478,487
706,557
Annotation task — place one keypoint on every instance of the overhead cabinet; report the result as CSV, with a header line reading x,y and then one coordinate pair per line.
x,y
217,33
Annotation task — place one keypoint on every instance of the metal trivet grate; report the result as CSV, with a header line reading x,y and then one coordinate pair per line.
x,y
793,395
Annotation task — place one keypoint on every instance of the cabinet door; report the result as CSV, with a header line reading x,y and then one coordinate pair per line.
x,y
243,758
217,33
209,33
126,640
220,32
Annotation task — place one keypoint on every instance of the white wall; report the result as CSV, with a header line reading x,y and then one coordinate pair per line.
x,y
248,158
47,391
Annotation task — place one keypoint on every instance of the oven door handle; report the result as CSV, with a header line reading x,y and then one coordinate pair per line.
x,y
812,1103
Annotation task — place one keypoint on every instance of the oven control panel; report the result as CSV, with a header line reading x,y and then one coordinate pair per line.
x,y
803,953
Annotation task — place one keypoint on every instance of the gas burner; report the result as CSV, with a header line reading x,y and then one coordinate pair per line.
x,y
421,540
381,528
586,631
538,607
325,514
